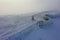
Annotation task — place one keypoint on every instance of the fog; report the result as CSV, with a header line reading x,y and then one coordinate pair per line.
x,y
14,7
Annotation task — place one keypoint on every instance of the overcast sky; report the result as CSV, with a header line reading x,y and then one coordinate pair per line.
x,y
13,7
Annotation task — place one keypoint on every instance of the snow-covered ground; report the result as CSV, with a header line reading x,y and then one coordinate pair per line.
x,y
11,25
23,28
50,33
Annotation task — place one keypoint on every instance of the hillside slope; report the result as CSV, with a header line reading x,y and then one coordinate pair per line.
x,y
17,28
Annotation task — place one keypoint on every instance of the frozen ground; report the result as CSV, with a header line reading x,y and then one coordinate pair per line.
x,y
23,28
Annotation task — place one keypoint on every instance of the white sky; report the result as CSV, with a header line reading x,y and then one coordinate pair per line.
x,y
13,7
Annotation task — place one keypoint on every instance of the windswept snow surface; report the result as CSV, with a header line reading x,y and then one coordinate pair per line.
x,y
23,28
10,25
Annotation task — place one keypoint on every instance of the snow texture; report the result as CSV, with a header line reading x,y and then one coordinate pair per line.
x,y
23,28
